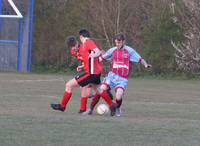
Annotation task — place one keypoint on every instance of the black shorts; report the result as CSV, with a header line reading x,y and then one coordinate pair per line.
x,y
86,78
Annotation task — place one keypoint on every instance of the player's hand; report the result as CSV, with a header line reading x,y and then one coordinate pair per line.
x,y
79,57
79,68
148,66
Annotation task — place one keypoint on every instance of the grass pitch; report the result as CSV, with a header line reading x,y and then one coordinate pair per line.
x,y
155,113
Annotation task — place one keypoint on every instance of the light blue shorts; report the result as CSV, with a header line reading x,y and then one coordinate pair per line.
x,y
115,81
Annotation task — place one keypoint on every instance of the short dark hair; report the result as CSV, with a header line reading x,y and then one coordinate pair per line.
x,y
71,41
84,32
120,36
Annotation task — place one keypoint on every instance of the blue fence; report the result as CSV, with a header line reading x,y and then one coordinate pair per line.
x,y
1,6
31,12
16,35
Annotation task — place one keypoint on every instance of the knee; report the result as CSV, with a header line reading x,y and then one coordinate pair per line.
x,y
102,88
68,87
119,94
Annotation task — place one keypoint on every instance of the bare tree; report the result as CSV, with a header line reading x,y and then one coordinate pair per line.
x,y
109,17
188,52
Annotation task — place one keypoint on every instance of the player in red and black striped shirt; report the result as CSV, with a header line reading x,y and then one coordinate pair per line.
x,y
86,91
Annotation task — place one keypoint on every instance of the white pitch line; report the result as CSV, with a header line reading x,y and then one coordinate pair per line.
x,y
38,80
29,95
164,103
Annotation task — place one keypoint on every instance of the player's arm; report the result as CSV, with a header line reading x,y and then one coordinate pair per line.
x,y
95,53
93,50
73,52
135,57
144,63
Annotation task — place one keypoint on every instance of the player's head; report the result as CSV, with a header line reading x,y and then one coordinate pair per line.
x,y
72,42
119,39
83,34
120,36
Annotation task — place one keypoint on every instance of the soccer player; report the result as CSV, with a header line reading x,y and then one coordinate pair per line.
x,y
85,91
92,72
121,57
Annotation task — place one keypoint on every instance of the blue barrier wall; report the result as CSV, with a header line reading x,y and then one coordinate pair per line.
x,y
1,6
16,35
31,12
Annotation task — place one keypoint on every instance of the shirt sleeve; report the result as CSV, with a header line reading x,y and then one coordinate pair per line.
x,y
134,56
90,45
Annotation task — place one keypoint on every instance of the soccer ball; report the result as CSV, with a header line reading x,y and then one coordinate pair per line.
x,y
102,109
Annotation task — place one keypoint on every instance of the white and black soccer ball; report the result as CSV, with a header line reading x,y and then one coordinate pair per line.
x,y
102,109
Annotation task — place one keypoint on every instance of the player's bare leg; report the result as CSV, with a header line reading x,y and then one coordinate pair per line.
x,y
118,99
66,96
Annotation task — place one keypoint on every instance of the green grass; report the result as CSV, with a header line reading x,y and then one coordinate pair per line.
x,y
155,113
